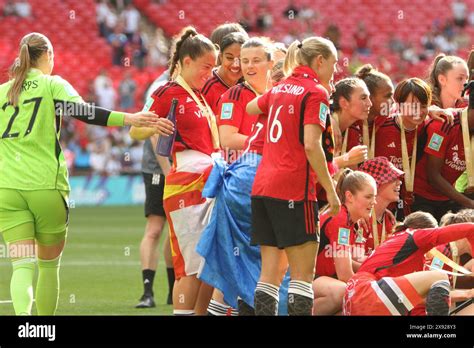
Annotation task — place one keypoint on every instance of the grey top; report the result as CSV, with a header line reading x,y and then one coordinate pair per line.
x,y
149,163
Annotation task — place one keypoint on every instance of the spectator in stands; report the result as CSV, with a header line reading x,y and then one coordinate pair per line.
x,y
9,9
106,96
158,49
334,34
291,11
131,18
244,15
118,40
111,20
90,96
395,45
99,156
409,54
361,40
138,49
23,8
127,90
264,16
102,11
459,9
101,80
429,44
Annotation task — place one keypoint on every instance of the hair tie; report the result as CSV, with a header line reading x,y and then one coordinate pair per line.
x,y
300,45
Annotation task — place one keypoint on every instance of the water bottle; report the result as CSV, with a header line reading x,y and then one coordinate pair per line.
x,y
165,144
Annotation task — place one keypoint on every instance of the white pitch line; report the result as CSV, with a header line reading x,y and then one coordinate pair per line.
x,y
10,301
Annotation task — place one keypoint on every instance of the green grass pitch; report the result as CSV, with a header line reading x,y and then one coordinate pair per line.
x,y
100,268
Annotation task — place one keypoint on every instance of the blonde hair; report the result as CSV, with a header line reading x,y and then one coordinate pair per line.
x,y
32,46
441,65
352,181
417,219
303,53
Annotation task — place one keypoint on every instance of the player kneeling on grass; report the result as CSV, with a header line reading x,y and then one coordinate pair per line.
x,y
392,281
34,183
334,266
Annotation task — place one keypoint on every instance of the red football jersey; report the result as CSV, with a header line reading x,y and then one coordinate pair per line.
x,y
284,172
192,127
255,141
338,239
213,89
403,252
369,236
446,142
231,109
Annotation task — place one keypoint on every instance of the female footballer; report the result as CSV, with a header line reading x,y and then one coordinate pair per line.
x,y
392,281
444,157
231,276
34,184
284,206
339,235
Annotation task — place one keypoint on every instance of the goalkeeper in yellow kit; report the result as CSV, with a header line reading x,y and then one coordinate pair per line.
x,y
34,183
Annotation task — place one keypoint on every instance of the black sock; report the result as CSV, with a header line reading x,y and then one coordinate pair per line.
x,y
266,299
300,298
170,272
245,309
148,277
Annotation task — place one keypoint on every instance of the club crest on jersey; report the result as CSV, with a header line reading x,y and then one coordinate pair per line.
x,y
343,236
435,142
437,263
323,113
226,111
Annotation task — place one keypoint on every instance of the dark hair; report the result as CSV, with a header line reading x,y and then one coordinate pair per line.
x,y
420,89
352,181
32,46
230,39
222,30
372,77
263,42
344,89
441,65
417,219
189,43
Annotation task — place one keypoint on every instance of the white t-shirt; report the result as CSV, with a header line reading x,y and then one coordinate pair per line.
x,y
106,97
132,20
459,10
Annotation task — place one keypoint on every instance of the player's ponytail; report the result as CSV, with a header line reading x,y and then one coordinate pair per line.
x,y
416,220
352,181
32,46
371,76
441,65
188,43
303,53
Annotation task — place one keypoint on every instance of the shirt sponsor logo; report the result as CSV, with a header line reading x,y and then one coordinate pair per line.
x,y
323,113
226,111
343,236
436,142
